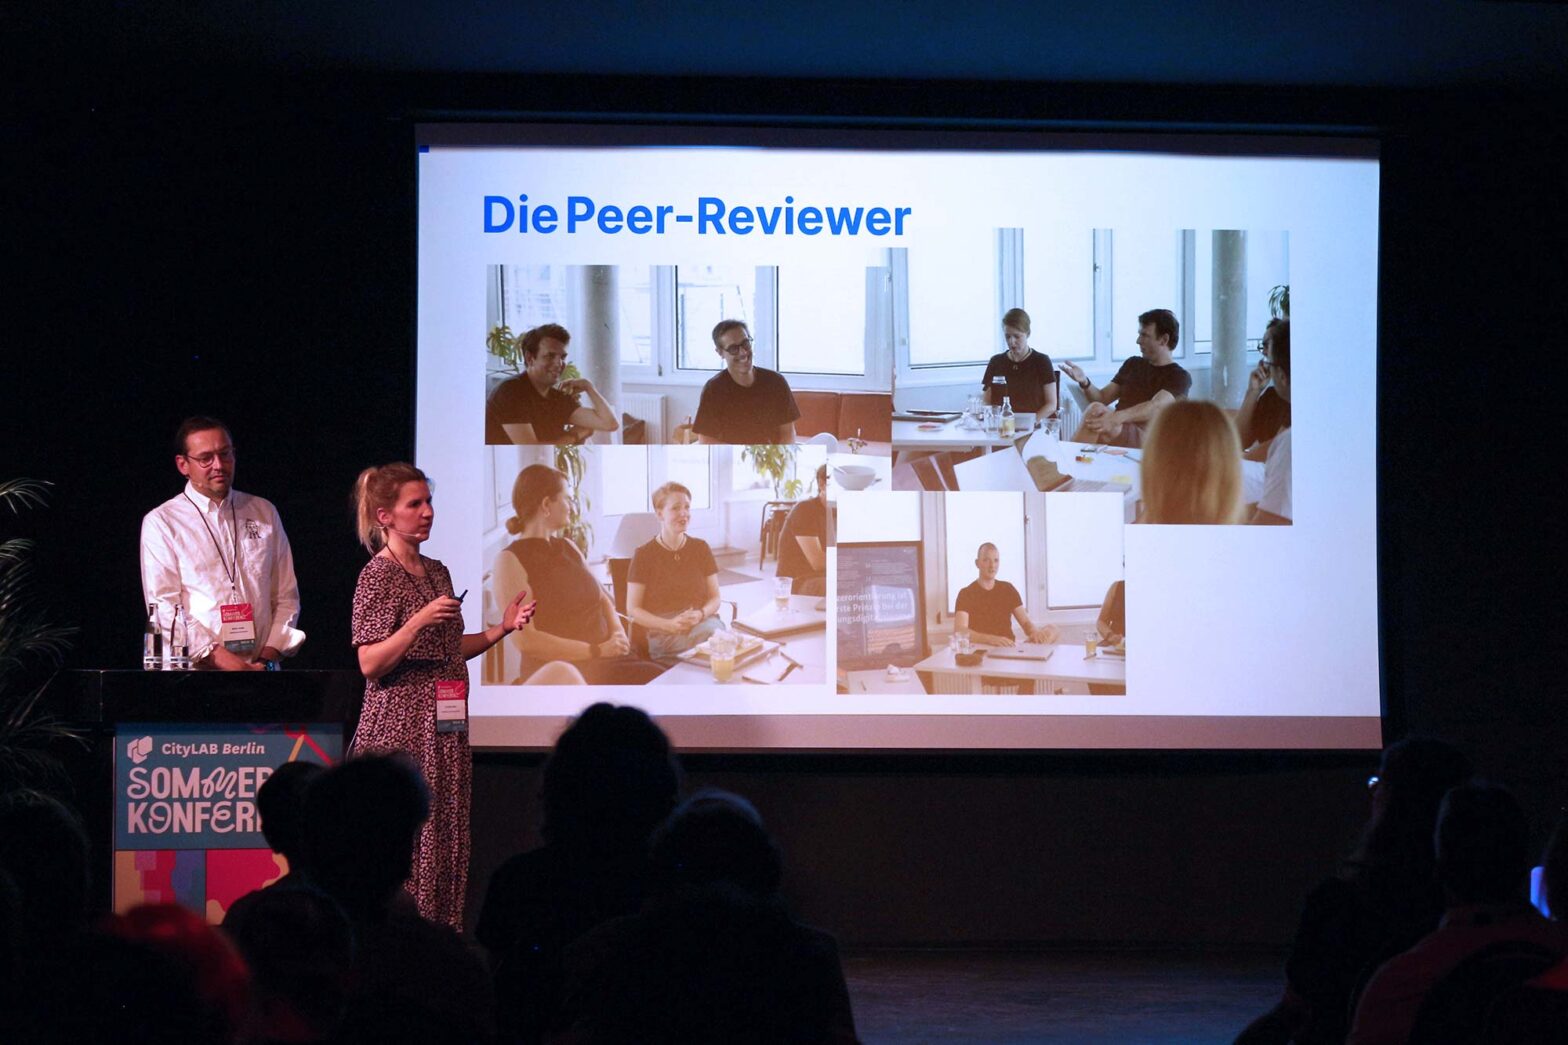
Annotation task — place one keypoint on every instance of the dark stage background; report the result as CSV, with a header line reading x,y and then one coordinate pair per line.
x,y
241,242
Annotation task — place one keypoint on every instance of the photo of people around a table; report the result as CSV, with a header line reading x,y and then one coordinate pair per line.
x,y
759,354
995,592
661,565
1165,378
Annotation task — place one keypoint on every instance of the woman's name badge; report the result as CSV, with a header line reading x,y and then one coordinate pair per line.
x,y
452,706
238,630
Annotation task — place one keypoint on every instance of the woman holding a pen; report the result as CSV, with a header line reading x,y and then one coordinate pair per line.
x,y
408,631
577,621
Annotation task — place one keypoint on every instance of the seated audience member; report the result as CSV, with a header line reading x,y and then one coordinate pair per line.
x,y
1112,621
1024,376
1145,385
576,620
1482,866
1192,466
45,878
1384,898
157,973
1537,1012
610,781
714,955
539,405
413,980
804,541
280,802
987,607
1263,410
672,588
744,404
1274,505
300,949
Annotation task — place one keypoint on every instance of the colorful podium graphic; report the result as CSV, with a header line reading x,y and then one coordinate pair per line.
x,y
186,829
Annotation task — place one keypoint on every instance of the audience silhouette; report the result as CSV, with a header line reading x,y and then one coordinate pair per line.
x,y
1489,938
1536,1013
714,956
610,781
1381,902
43,906
157,973
413,980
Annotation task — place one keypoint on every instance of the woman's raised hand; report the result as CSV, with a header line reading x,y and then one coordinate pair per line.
x,y
518,612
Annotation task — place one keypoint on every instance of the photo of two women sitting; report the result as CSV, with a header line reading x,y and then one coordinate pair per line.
x,y
646,559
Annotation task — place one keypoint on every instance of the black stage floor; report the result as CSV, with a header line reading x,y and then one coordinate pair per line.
x,y
1079,997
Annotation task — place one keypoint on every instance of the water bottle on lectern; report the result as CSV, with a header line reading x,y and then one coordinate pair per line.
x,y
152,641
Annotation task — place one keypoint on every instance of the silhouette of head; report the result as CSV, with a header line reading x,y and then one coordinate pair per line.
x,y
300,949
166,968
1412,778
716,837
610,781
43,848
1482,844
281,803
361,821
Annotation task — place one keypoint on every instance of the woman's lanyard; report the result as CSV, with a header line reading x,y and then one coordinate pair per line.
x,y
234,572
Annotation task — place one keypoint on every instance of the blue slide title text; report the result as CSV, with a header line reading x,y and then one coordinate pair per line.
x,y
712,216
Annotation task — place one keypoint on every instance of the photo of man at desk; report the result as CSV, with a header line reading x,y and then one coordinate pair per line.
x,y
987,607
655,565
1030,611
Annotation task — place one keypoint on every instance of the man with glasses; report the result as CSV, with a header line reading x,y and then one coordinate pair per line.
x,y
222,556
744,404
537,406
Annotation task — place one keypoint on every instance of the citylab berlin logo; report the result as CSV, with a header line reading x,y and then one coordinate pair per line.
x,y
138,750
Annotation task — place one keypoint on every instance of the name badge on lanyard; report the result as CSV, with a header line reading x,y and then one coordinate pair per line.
x,y
452,706
238,633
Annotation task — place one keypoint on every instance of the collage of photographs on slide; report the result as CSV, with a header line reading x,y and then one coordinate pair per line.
x,y
709,497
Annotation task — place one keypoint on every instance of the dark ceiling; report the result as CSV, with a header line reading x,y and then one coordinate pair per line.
x,y
1339,43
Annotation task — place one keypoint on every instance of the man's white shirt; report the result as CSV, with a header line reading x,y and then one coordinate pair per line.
x,y
190,558
1276,477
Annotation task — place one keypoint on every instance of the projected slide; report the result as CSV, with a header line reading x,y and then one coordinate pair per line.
x,y
832,440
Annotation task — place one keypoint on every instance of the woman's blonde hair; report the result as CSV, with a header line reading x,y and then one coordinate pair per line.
x,y
662,494
1016,318
533,486
1192,466
378,488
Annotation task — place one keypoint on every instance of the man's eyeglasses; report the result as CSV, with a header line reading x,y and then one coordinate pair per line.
x,y
737,347
205,460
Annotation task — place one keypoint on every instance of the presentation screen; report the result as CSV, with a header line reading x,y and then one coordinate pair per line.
x,y
907,440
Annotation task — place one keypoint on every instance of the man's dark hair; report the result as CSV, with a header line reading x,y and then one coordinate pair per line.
x,y
1165,325
1482,844
725,326
530,341
281,802
362,818
610,780
717,837
199,423
1278,333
